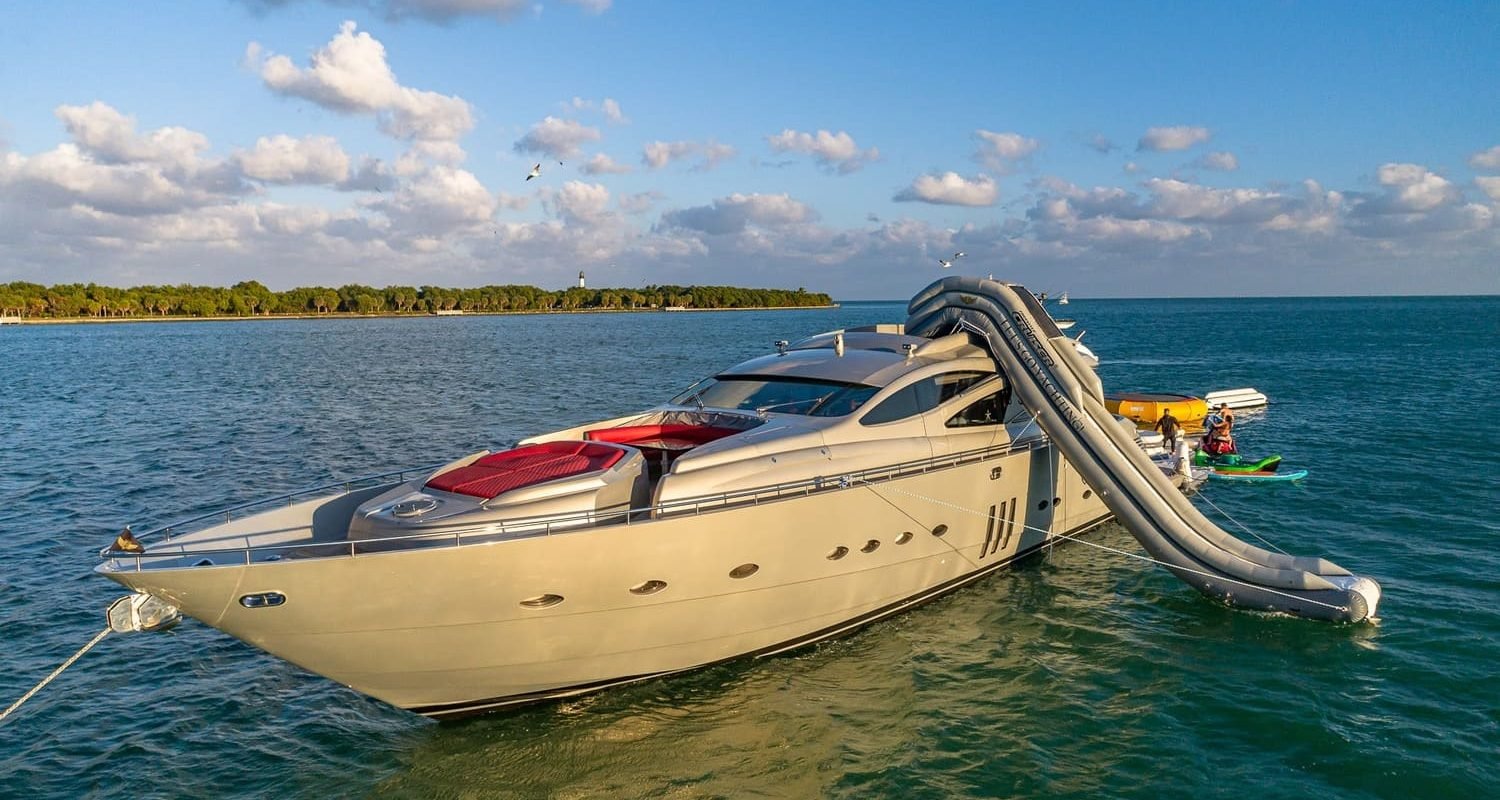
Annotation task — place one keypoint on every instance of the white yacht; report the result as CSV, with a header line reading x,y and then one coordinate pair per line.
x,y
794,497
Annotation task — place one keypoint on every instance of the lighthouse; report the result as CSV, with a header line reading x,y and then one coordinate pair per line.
x,y
580,280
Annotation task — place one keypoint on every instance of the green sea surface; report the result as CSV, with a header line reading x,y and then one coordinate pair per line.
x,y
1080,672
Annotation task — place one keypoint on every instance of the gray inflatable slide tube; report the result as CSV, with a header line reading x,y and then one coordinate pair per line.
x,y
1062,390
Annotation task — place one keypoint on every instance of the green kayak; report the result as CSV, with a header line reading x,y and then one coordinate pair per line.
x,y
1234,462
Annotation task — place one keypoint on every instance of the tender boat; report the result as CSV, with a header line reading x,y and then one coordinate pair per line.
x,y
785,500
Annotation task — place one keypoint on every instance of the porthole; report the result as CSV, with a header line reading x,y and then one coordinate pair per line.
x,y
870,546
262,600
1087,493
744,571
648,587
1042,506
903,537
837,553
940,530
1057,501
542,601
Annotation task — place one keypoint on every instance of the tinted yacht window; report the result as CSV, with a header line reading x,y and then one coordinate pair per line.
x,y
924,395
988,411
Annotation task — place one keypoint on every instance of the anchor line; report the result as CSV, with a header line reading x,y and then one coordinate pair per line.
x,y
1073,537
903,512
1242,526
56,672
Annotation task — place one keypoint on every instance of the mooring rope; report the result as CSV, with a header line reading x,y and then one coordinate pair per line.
x,y
1073,537
1242,526
55,673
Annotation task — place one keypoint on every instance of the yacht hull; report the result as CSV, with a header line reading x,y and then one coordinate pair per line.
x,y
448,631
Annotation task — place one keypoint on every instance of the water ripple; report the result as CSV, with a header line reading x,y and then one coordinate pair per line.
x,y
1078,673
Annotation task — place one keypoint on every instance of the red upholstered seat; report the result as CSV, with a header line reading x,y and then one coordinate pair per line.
x,y
630,434
498,473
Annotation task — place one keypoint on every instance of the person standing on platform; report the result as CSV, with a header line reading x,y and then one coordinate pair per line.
x,y
1169,427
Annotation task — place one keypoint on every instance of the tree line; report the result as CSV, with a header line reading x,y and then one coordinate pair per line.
x,y
251,298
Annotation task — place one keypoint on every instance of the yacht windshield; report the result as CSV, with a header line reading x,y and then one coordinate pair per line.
x,y
779,395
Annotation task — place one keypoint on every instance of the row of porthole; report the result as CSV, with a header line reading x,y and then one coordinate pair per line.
x,y
270,599
742,571
869,547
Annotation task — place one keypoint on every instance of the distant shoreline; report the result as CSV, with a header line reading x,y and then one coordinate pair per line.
x,y
422,315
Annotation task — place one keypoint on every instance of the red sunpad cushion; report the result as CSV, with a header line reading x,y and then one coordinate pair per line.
x,y
626,434
498,473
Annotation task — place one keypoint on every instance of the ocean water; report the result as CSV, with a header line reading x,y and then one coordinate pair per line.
x,y
1080,672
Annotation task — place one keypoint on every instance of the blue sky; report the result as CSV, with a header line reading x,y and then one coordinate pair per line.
x,y
1105,149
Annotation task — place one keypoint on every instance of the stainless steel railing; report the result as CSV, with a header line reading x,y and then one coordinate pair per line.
x,y
546,525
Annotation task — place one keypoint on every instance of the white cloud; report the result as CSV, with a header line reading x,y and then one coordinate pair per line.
x,y
1221,161
950,188
282,159
714,154
659,154
441,200
512,202
66,176
1101,143
612,112
1176,199
1486,159
1177,137
1129,230
1412,187
836,152
1000,151
1490,186
1318,212
609,107
110,136
639,203
350,75
734,213
558,138
578,202
602,164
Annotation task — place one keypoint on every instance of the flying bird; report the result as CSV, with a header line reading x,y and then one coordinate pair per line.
x,y
535,171
949,262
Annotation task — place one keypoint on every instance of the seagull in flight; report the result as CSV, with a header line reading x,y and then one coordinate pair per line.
x,y
949,262
535,171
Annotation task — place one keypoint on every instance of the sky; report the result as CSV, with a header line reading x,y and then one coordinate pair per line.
x,y
1104,149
